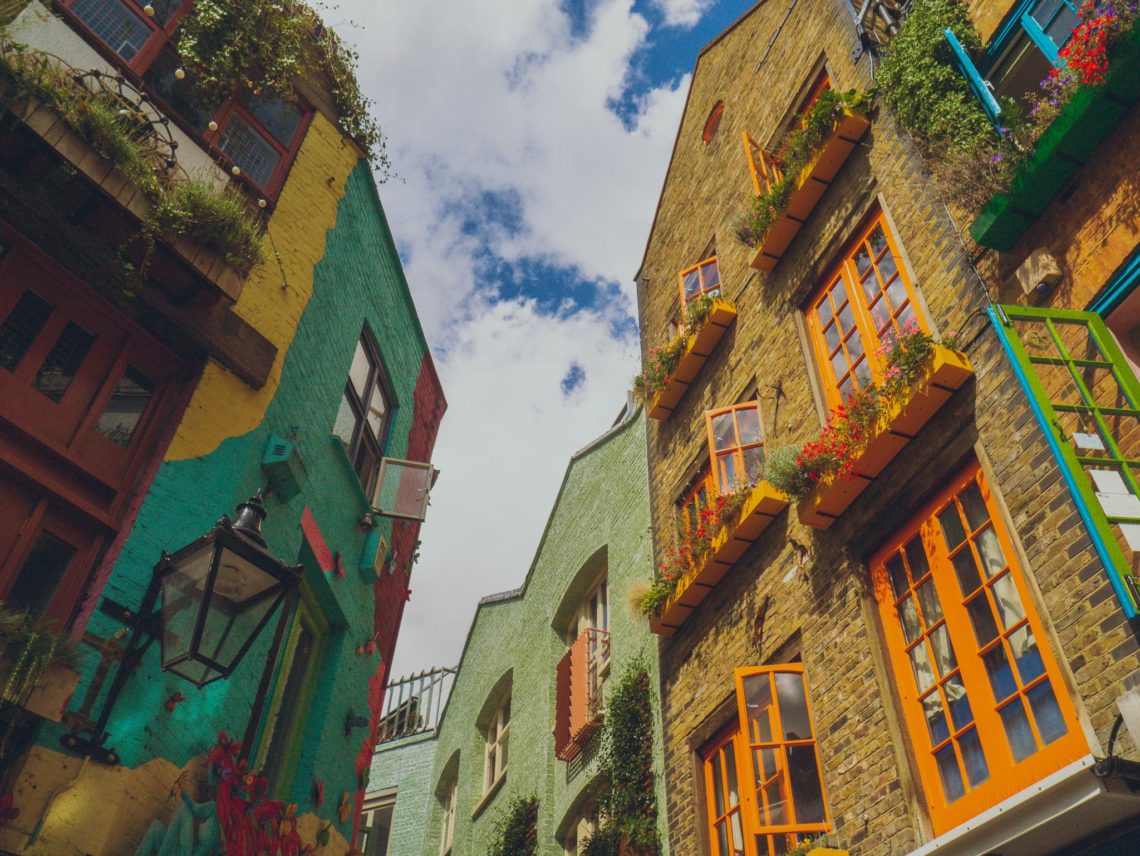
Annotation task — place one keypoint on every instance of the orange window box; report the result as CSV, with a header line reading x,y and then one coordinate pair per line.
x,y
946,371
813,181
762,507
698,349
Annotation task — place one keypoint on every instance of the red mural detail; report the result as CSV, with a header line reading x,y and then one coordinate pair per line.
x,y
316,541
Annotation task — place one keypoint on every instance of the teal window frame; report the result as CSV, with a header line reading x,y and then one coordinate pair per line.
x,y
1096,521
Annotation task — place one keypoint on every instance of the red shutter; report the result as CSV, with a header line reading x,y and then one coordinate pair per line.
x,y
562,747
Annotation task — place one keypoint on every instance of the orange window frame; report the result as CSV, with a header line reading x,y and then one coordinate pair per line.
x,y
707,280
769,743
724,750
961,614
695,499
820,85
730,459
867,299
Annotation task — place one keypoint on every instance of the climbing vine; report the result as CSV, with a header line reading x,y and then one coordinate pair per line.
x,y
627,797
516,830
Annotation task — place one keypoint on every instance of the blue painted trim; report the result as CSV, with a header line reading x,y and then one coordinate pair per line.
x,y
1114,577
973,77
1118,287
1005,32
1040,38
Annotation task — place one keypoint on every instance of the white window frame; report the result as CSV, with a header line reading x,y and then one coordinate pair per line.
x,y
496,755
372,805
447,825
593,614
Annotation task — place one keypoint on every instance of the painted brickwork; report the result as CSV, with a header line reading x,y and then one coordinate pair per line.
x,y
342,271
405,767
598,524
806,593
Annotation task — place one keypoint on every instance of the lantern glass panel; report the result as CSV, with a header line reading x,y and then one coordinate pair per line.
x,y
183,588
243,594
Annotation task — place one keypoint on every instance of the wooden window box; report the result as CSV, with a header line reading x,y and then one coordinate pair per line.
x,y
54,131
762,507
813,181
697,350
947,370
1065,147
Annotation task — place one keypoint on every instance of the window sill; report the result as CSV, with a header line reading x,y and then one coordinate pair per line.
x,y
489,797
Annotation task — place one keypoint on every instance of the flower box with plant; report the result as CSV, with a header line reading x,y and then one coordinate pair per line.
x,y
865,433
726,528
808,159
1079,105
669,369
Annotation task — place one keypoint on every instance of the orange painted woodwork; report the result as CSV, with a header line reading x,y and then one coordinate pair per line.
x,y
700,280
698,348
945,372
562,706
765,168
578,685
736,445
695,500
983,699
721,766
821,85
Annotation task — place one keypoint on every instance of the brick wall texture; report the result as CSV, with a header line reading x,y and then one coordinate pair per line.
x,y
810,589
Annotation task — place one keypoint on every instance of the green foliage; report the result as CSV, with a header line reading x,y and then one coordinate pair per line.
x,y
216,218
795,152
263,46
627,797
920,83
661,361
516,829
783,472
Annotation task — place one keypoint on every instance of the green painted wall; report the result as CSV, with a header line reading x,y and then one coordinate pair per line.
x,y
405,767
603,503
358,281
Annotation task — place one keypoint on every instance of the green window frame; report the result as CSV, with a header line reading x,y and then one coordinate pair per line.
x,y
1087,401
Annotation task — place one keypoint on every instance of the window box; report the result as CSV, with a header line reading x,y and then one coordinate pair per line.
x,y
1064,147
946,371
813,181
762,506
48,698
699,348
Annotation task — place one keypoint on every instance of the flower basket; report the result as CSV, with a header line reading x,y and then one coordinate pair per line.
x,y
763,505
813,181
698,348
944,372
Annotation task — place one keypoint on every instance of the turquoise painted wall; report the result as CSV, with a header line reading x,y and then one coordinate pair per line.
x,y
603,503
358,281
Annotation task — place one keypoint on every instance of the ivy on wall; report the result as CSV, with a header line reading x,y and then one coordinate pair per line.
x,y
516,830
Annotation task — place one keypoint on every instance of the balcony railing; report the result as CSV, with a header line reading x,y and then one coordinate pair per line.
x,y
578,690
414,704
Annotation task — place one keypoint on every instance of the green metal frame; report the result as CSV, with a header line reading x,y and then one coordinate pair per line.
x,y
1099,523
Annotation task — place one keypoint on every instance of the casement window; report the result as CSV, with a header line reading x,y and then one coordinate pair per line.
x,y
700,280
1021,54
1087,400
982,697
497,738
694,500
866,301
582,829
365,413
736,446
765,168
376,825
447,821
820,85
764,790
594,615
260,134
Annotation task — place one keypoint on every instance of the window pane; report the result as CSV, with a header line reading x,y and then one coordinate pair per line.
x,y
1017,730
807,793
973,758
724,433
794,717
40,574
993,560
754,463
839,293
935,718
1009,607
1001,675
920,662
58,370
908,615
278,116
951,523
710,274
897,574
959,702
862,261
246,148
974,506
692,283
718,785
1050,723
377,409
967,569
193,103
1025,654
831,334
748,422
758,702
846,318
115,24
345,425
931,606
943,651
722,838
737,835
128,403
982,618
730,779
950,774
877,240
21,327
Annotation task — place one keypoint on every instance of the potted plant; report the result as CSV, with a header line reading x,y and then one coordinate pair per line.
x,y
38,665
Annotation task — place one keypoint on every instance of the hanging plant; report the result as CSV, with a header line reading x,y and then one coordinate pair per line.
x,y
661,362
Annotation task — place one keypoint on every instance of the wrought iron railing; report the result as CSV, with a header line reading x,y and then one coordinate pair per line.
x,y
414,704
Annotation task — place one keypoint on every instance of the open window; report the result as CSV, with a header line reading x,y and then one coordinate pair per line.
x,y
700,280
366,410
736,445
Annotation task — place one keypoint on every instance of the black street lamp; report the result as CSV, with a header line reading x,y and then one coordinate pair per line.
x,y
218,593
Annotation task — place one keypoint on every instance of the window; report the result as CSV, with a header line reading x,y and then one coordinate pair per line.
x,y
365,412
866,301
495,757
447,823
581,829
260,133
694,501
983,700
712,123
820,85
736,446
700,280
771,749
376,825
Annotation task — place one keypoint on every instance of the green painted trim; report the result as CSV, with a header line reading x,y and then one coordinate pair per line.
x,y
354,485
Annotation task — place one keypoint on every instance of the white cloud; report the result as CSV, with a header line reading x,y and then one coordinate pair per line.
x,y
505,97
683,13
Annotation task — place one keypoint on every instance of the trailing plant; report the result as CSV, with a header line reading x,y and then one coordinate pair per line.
x,y
674,565
661,361
218,219
627,796
795,151
263,46
851,424
516,830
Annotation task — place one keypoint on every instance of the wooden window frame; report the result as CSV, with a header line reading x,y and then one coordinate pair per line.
x,y
735,451
704,291
497,744
362,432
1006,776
163,36
727,743
447,822
820,85
692,503
868,331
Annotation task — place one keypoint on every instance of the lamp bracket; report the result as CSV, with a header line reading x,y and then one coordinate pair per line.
x,y
147,624
92,748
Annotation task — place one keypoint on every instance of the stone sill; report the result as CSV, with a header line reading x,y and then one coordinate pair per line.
x,y
489,797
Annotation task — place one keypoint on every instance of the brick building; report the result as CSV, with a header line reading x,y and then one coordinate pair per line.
x,y
153,378
528,697
933,650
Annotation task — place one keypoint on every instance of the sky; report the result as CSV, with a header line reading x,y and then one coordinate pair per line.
x,y
530,140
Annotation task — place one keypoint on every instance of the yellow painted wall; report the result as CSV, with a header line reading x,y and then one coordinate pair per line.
x,y
223,405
